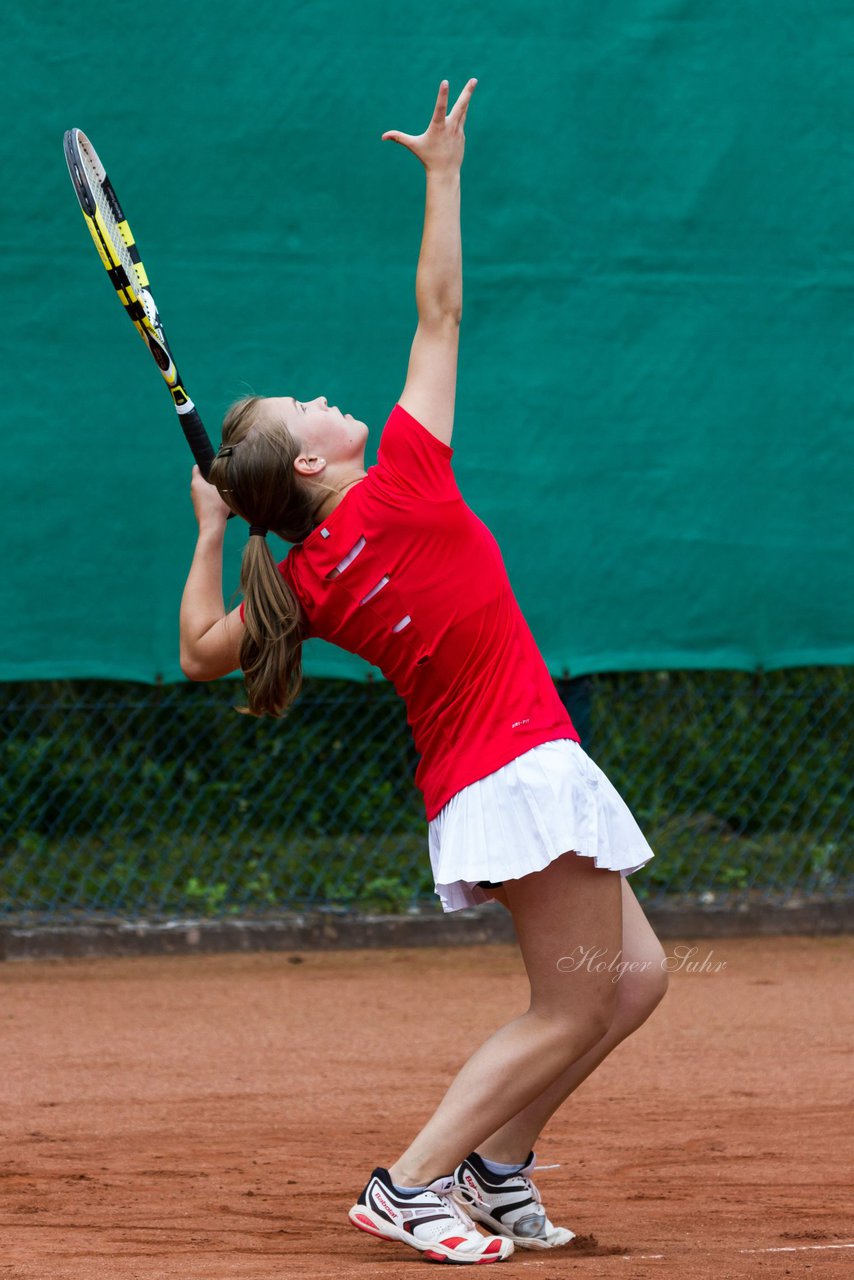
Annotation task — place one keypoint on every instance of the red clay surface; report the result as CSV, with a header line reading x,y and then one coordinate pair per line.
x,y
213,1118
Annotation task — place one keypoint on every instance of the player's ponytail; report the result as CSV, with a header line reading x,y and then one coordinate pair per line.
x,y
271,649
254,473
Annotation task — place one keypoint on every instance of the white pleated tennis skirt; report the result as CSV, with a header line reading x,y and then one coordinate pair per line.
x,y
549,801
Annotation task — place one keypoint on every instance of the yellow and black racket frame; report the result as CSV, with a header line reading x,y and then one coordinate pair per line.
x,y
118,252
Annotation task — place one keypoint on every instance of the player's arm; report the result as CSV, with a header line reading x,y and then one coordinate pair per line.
x,y
431,380
210,637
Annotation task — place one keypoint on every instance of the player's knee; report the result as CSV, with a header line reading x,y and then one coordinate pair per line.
x,y
595,1024
653,981
579,1027
642,986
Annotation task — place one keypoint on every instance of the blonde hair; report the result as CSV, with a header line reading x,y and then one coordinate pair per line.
x,y
258,482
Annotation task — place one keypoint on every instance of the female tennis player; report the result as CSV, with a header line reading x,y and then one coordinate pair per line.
x,y
391,564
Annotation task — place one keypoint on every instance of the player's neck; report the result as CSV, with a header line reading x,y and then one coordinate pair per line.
x,y
342,487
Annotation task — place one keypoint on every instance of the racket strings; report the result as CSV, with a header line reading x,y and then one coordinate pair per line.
x,y
97,179
117,250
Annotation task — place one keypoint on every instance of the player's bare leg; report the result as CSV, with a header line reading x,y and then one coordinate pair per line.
x,y
640,987
569,1014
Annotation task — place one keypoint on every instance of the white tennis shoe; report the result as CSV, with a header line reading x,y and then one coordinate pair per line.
x,y
431,1221
508,1204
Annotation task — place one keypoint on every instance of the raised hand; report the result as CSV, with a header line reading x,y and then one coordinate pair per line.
x,y
442,145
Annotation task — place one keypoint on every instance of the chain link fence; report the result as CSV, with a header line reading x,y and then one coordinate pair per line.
x,y
132,801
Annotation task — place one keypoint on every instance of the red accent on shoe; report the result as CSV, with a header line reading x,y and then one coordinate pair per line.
x,y
451,1242
434,1257
494,1246
365,1224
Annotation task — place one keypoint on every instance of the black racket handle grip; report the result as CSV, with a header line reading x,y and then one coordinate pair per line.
x,y
199,442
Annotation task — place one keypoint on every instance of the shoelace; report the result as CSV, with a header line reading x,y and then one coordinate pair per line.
x,y
447,1192
532,1186
468,1196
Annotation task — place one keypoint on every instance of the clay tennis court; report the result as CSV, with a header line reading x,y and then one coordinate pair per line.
x,y
213,1118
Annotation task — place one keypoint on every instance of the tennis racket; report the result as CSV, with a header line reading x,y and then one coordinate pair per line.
x,y
114,241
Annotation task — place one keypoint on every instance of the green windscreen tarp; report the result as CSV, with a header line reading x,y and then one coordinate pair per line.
x,y
654,410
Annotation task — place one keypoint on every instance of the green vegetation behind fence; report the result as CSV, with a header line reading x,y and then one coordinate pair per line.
x,y
128,800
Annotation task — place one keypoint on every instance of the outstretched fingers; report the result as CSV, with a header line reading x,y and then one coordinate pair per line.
x,y
393,135
443,141
440,111
461,105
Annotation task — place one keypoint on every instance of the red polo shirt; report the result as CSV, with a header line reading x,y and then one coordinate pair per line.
x,y
423,594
